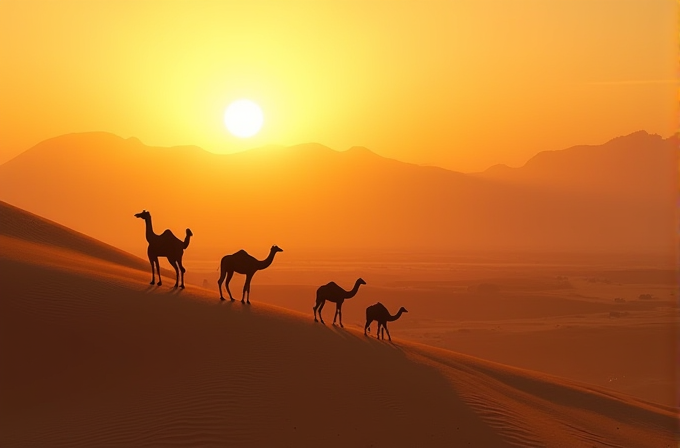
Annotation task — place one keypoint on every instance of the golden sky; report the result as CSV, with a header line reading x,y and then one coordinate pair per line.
x,y
459,84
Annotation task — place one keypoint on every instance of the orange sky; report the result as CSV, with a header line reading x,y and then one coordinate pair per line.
x,y
459,84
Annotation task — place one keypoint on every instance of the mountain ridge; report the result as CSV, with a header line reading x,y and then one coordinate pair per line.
x,y
316,197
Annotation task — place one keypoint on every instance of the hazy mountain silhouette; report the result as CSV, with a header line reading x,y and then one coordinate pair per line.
x,y
610,197
638,164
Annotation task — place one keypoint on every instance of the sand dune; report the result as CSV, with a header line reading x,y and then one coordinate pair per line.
x,y
91,355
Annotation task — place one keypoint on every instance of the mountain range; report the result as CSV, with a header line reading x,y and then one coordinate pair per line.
x,y
616,197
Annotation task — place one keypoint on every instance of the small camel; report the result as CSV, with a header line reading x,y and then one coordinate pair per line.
x,y
164,245
243,263
379,313
333,293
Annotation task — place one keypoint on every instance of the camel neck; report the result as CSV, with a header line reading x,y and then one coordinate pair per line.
x,y
149,230
395,317
354,290
264,264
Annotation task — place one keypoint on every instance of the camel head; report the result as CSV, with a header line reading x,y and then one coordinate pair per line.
x,y
143,214
360,281
403,310
275,249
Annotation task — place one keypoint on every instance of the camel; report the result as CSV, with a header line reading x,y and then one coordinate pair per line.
x,y
164,245
333,293
243,263
379,313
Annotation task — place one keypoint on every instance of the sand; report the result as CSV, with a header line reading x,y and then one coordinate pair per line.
x,y
92,355
570,319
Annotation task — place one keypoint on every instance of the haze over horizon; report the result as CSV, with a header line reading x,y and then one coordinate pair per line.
x,y
283,147
311,197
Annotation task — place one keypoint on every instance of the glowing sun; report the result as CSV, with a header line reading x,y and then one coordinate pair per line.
x,y
243,118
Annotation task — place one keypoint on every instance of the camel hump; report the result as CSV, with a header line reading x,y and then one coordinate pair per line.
x,y
167,233
241,252
378,307
330,286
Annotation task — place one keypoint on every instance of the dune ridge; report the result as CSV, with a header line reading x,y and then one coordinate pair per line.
x,y
94,356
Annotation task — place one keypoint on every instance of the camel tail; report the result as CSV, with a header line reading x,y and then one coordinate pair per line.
x,y
187,238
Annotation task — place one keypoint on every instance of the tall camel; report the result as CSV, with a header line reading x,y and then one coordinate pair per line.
x,y
379,313
333,293
164,245
243,263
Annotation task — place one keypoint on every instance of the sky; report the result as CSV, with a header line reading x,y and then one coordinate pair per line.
x,y
458,84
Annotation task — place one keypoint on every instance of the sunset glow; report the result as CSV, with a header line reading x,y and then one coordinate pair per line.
x,y
477,201
479,83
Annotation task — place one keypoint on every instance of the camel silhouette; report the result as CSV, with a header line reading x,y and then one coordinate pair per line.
x,y
243,263
379,313
164,245
333,293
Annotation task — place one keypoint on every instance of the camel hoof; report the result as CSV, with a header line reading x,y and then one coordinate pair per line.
x,y
342,326
160,284
221,298
152,283
181,287
231,299
316,320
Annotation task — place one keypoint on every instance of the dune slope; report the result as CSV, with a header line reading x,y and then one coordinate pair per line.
x,y
91,355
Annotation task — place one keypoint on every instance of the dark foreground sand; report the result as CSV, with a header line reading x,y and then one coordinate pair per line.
x,y
92,356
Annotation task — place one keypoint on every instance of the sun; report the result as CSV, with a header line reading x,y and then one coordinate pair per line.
x,y
243,118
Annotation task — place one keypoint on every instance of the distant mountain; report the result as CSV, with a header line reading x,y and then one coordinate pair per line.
x,y
639,164
614,197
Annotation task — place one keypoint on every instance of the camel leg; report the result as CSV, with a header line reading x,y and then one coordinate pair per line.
x,y
388,333
158,270
319,310
182,270
229,276
377,333
340,315
223,274
367,327
318,302
173,262
247,287
153,269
